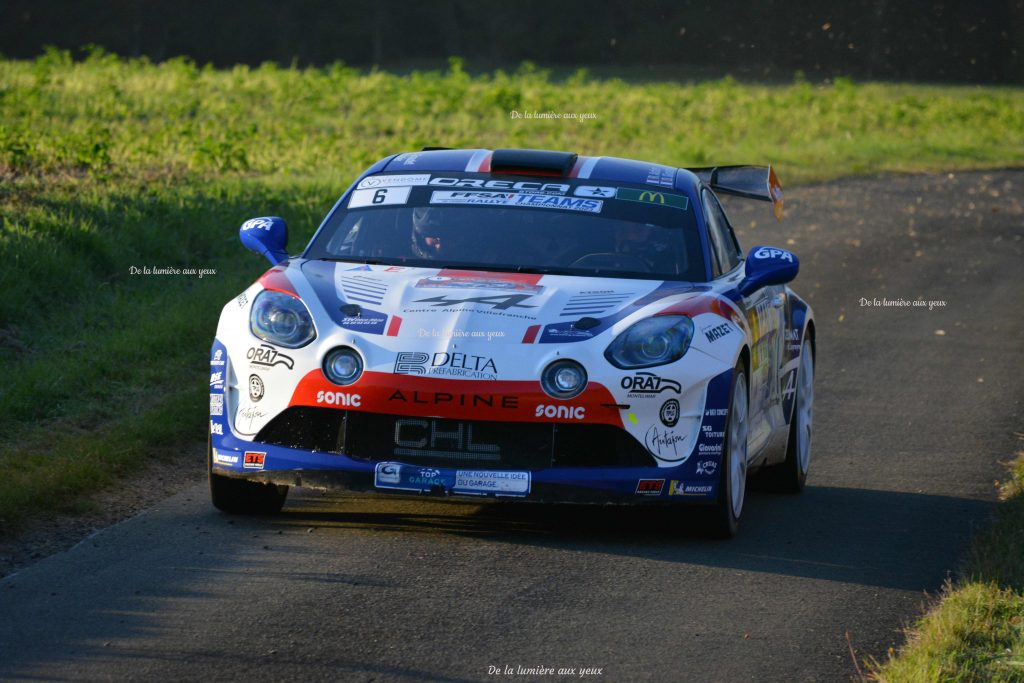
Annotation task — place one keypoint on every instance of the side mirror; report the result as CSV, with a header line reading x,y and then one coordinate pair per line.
x,y
267,236
768,266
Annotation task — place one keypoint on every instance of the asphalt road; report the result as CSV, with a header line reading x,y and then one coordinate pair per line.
x,y
910,427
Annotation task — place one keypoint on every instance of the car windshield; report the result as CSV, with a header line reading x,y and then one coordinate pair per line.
x,y
474,221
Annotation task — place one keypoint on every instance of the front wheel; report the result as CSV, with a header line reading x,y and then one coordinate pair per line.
x,y
241,497
724,517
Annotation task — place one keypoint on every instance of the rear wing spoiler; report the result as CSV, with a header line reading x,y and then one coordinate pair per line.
x,y
752,182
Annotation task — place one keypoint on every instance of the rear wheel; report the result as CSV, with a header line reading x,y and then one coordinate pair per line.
x,y
791,475
724,517
241,497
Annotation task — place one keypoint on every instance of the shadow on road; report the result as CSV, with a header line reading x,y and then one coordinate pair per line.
x,y
879,538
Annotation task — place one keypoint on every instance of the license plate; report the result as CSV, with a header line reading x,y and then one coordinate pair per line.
x,y
404,477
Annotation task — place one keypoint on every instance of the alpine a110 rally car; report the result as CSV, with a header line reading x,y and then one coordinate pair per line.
x,y
517,324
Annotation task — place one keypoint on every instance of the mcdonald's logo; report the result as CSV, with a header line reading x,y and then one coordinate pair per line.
x,y
676,201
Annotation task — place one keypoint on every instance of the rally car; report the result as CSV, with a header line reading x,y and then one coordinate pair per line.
x,y
517,324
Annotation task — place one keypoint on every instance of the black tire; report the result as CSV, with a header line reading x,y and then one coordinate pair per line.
x,y
791,475
723,519
241,497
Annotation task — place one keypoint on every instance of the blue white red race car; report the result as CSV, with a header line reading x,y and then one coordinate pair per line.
x,y
517,324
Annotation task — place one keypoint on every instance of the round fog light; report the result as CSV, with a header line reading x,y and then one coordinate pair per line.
x,y
564,379
343,365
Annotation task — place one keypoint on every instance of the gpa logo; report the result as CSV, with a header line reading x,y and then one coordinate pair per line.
x,y
771,252
649,487
258,224
254,460
255,388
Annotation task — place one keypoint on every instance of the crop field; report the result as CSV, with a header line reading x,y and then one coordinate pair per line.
x,y
108,165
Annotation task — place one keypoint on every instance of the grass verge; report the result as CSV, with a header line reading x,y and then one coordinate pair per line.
x,y
976,631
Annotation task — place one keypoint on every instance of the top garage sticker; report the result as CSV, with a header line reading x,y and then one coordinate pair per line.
x,y
517,199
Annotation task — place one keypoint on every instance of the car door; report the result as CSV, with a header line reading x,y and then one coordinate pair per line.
x,y
764,309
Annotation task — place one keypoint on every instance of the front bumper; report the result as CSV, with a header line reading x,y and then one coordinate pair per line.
x,y
638,484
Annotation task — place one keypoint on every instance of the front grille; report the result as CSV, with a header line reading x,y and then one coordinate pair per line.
x,y
442,442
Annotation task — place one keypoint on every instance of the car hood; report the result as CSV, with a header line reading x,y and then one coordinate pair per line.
x,y
499,307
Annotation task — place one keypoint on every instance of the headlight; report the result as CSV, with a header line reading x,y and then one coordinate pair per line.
x,y
343,365
654,341
281,319
563,379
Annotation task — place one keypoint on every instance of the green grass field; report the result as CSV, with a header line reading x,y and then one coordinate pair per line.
x,y
107,164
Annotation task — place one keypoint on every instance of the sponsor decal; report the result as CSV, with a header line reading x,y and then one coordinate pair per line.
x,y
242,300
339,398
388,473
258,224
649,383
594,191
716,332
445,363
716,412
561,412
771,252
218,358
666,444
367,322
445,398
541,201
223,458
399,180
216,428
425,437
511,283
710,449
792,334
676,201
255,388
498,483
707,467
251,414
708,432
682,488
268,357
526,186
427,477
669,412
497,302
658,175
216,378
254,460
216,404
650,487
382,196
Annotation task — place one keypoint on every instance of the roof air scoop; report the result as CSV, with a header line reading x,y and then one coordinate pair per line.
x,y
532,162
